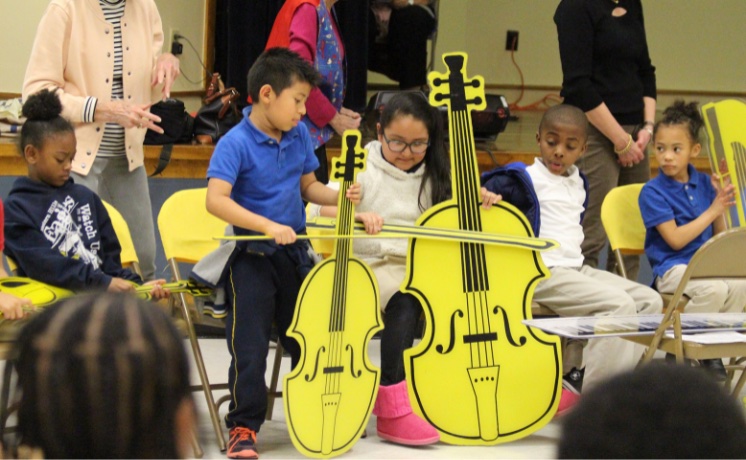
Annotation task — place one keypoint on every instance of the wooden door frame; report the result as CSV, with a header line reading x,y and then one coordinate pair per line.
x,y
208,40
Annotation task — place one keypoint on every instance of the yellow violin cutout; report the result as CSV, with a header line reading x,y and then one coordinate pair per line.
x,y
43,295
329,395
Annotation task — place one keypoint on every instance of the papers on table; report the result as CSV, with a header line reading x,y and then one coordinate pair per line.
x,y
585,327
709,338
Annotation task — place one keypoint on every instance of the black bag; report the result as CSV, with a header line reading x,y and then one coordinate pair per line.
x,y
219,114
176,122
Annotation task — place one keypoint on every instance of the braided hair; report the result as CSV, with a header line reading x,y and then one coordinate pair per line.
x,y
101,376
43,119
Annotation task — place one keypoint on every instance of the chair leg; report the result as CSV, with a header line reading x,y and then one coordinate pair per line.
x,y
198,452
197,353
272,393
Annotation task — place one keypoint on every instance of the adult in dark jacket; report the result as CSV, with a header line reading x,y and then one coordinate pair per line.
x,y
608,74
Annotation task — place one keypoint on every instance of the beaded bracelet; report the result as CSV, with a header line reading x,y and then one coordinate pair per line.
x,y
626,148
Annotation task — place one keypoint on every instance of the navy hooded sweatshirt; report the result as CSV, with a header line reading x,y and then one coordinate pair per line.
x,y
62,236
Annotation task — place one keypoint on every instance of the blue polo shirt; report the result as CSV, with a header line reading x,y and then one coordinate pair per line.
x,y
265,174
663,199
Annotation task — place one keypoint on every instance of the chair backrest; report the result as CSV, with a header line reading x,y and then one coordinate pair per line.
x,y
622,220
322,247
128,255
187,229
720,257
12,265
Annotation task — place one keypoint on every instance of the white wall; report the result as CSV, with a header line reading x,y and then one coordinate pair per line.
x,y
697,45
21,17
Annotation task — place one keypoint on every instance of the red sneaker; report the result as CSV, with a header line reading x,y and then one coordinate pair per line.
x,y
567,401
242,443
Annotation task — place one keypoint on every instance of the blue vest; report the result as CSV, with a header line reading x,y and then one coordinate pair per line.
x,y
328,63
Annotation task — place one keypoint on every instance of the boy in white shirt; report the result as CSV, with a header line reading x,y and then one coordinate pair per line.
x,y
574,289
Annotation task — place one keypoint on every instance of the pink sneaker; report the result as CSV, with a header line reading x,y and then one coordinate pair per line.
x,y
568,400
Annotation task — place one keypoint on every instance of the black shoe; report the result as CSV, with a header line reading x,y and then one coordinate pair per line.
x,y
715,368
573,380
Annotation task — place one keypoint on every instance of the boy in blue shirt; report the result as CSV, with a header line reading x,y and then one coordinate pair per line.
x,y
259,175
682,209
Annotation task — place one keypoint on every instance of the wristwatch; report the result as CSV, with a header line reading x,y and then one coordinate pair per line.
x,y
648,126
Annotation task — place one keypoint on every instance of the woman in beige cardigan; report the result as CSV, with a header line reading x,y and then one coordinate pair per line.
x,y
104,58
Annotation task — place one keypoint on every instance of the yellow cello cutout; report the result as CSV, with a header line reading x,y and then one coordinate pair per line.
x,y
479,375
329,395
725,122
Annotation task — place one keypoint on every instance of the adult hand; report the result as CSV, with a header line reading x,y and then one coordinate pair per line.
x,y
166,71
342,122
349,113
633,156
127,115
643,139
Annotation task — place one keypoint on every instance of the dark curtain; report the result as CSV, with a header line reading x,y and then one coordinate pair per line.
x,y
352,18
242,28
241,31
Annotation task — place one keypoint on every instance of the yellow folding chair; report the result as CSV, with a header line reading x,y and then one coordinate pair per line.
x,y
187,231
128,255
188,234
622,220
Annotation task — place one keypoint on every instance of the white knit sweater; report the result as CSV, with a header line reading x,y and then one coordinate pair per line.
x,y
394,195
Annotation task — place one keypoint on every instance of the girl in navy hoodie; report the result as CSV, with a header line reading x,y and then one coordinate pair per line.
x,y
59,232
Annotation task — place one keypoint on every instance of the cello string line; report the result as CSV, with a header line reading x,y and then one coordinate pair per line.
x,y
459,192
341,248
471,205
343,264
467,249
481,321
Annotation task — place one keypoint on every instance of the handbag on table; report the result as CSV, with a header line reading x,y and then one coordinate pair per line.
x,y
177,127
218,114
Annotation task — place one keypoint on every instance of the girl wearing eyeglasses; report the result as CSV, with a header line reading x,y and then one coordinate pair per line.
x,y
407,172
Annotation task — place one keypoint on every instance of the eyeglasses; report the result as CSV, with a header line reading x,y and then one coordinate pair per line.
x,y
398,146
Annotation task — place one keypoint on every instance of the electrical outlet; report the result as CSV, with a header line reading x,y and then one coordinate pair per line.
x,y
511,41
173,44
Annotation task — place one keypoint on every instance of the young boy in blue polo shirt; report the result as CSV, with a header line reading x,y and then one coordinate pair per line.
x,y
682,209
259,175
